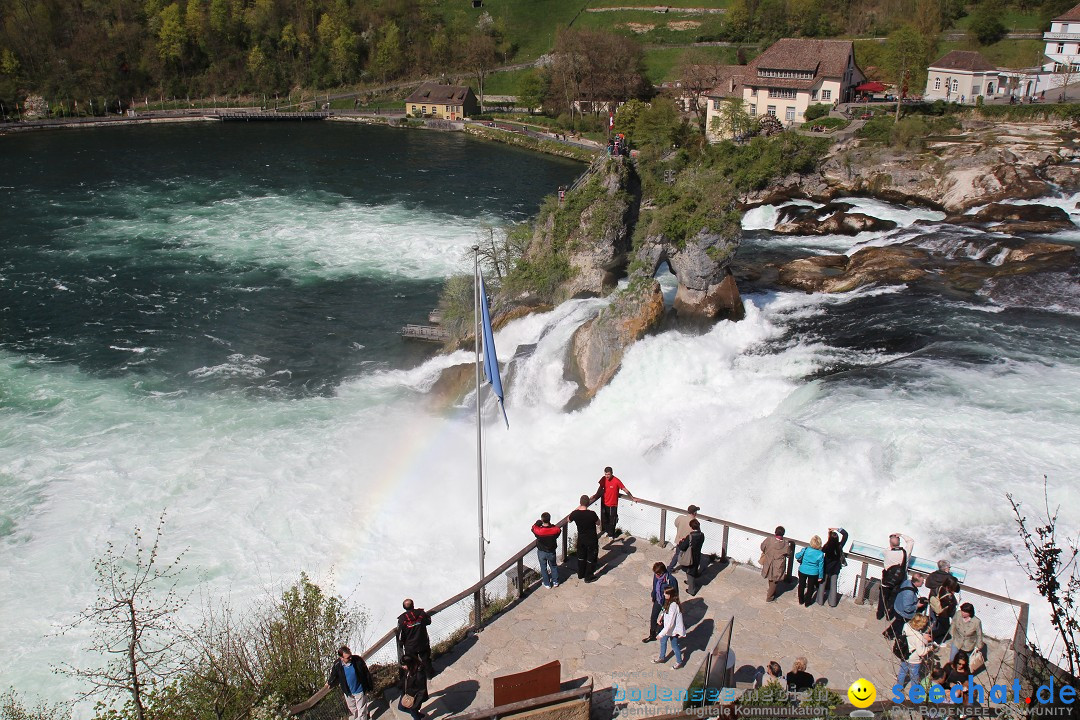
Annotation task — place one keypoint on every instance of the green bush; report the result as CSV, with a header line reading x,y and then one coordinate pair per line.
x,y
819,110
877,129
751,166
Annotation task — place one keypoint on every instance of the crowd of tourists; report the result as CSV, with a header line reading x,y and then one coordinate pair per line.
x,y
918,625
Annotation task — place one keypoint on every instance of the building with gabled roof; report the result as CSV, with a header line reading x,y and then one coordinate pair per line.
x,y
443,102
962,76
1063,48
789,76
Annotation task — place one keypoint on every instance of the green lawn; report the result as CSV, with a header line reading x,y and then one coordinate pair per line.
x,y
662,63
530,24
653,28
502,83
1014,20
1007,53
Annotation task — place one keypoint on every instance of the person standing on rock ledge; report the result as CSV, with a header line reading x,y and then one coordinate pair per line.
x,y
774,555
609,503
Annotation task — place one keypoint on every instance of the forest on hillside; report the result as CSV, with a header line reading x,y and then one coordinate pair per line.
x,y
121,49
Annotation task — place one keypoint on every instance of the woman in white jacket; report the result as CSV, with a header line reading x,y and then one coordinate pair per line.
x,y
673,629
919,646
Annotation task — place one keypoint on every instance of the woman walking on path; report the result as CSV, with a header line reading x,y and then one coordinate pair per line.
x,y
673,629
811,570
834,563
414,691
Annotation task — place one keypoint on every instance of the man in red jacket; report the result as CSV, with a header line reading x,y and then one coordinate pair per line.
x,y
609,504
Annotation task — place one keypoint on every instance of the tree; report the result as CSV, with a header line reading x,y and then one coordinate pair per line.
x,y
905,59
171,35
986,26
133,620
658,125
1066,73
1051,564
733,119
479,59
698,75
388,53
532,89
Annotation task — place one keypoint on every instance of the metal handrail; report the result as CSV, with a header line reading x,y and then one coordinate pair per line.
x,y
1019,638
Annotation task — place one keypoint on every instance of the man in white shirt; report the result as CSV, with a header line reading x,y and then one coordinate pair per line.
x,y
893,555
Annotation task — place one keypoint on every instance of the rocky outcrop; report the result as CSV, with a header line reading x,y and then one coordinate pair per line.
x,y
840,273
965,269
1016,219
985,163
830,219
592,228
598,346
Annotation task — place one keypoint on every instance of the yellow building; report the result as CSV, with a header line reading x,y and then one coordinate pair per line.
x,y
442,102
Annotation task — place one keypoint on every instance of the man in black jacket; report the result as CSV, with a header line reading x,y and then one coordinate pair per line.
x,y
412,635
351,674
690,547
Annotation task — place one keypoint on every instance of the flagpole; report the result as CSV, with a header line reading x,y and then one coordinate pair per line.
x,y
479,456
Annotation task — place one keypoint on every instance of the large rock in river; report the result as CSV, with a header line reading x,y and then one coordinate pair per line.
x,y
597,347
891,265
831,219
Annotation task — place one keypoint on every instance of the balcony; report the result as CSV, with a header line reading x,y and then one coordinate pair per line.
x,y
1073,36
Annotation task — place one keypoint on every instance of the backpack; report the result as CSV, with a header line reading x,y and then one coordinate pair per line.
x,y
895,575
900,646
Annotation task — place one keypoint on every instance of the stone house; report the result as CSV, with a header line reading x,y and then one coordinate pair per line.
x,y
790,76
442,102
961,76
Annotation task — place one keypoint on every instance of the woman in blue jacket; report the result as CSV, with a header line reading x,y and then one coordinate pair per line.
x,y
811,570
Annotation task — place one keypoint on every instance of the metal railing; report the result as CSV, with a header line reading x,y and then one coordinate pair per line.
x,y
1003,618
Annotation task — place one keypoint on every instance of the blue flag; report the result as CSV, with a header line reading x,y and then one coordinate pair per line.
x,y
491,360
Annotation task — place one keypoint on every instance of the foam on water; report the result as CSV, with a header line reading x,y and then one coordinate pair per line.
x,y
311,234
338,486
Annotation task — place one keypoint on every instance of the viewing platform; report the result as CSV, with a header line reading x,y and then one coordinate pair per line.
x,y
596,629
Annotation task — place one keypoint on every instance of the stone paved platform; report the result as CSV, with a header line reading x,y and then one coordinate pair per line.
x,y
596,630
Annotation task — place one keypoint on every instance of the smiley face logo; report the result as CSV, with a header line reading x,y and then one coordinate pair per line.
x,y
861,693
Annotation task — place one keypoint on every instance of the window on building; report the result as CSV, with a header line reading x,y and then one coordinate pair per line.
x,y
976,89
1061,48
423,109
753,92
413,109
782,93
937,83
989,88
813,94
771,110
826,94
955,85
753,111
790,114
716,104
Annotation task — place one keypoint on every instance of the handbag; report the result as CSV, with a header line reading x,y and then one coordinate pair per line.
x,y
977,662
407,701
935,605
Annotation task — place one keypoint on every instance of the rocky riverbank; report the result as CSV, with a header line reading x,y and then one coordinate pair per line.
x,y
608,231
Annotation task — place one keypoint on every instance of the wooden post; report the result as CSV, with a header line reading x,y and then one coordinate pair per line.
x,y
790,559
723,544
565,542
860,589
663,527
521,577
478,612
